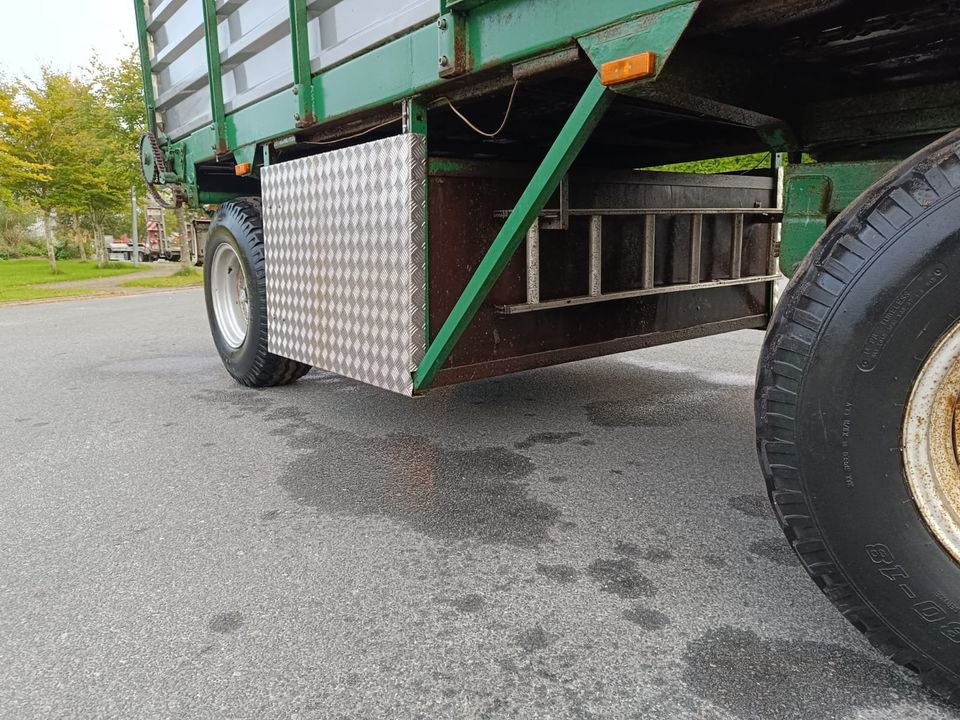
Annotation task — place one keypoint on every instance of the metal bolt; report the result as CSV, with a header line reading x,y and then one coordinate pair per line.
x,y
296,90
444,61
442,23
296,116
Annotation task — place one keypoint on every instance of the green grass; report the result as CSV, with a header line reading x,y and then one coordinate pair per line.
x,y
181,278
17,277
25,292
35,271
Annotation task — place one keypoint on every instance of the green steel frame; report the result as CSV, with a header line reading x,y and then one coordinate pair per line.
x,y
493,34
472,35
480,35
814,194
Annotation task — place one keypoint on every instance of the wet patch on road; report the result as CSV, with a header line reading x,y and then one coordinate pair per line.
x,y
466,603
649,413
535,639
559,573
751,505
637,552
546,438
620,576
478,494
646,618
715,561
775,550
754,678
228,622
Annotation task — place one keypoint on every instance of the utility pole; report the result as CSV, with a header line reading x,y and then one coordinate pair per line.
x,y
135,253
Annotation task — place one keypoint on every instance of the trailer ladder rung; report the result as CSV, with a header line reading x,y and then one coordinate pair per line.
x,y
595,293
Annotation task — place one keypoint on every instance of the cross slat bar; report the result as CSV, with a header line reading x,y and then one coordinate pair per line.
x,y
736,247
627,294
596,248
696,243
773,214
533,263
649,250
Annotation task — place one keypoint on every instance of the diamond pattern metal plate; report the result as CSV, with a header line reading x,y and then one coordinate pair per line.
x,y
346,262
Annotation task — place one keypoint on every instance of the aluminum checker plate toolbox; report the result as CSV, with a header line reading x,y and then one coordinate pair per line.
x,y
346,261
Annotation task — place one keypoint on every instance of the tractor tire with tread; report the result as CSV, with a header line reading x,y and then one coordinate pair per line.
x,y
843,351
239,223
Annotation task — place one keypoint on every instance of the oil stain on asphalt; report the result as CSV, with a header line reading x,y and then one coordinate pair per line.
x,y
476,494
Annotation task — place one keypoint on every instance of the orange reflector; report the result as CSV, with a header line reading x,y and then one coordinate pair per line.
x,y
243,169
629,68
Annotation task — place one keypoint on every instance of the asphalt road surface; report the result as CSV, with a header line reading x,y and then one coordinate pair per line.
x,y
584,541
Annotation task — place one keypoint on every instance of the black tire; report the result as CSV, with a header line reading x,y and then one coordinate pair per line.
x,y
239,223
845,345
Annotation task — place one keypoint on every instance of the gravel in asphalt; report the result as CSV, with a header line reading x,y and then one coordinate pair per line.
x,y
585,541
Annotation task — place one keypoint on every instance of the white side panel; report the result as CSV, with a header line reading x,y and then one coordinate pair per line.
x,y
346,260
255,48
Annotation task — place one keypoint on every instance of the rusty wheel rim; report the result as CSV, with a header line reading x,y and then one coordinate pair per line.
x,y
931,431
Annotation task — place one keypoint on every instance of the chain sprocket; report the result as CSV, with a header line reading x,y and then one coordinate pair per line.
x,y
153,166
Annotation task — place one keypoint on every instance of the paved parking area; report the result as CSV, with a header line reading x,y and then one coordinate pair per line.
x,y
586,541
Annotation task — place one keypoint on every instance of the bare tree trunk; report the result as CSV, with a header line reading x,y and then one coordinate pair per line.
x,y
100,243
186,251
78,237
51,242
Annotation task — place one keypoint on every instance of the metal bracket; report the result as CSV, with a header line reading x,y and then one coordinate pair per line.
x,y
452,45
558,219
413,116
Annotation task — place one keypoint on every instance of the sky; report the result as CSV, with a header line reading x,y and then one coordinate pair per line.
x,y
64,34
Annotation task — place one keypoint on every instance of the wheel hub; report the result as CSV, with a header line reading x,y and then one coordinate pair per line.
x,y
931,442
231,300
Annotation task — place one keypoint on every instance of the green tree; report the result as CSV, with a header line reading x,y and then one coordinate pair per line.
x,y
51,134
15,169
83,132
119,93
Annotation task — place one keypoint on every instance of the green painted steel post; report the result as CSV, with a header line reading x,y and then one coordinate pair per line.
x,y
302,83
555,165
212,38
146,68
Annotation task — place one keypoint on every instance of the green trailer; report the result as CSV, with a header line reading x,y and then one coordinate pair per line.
x,y
414,193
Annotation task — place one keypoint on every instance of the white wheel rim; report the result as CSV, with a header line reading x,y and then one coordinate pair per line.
x,y
231,302
931,431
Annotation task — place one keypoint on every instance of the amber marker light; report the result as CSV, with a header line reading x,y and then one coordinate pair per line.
x,y
634,67
243,168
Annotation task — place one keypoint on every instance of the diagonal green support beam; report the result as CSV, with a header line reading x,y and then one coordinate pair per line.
x,y
555,165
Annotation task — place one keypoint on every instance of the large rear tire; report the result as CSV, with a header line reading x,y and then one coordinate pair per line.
x,y
235,288
843,388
